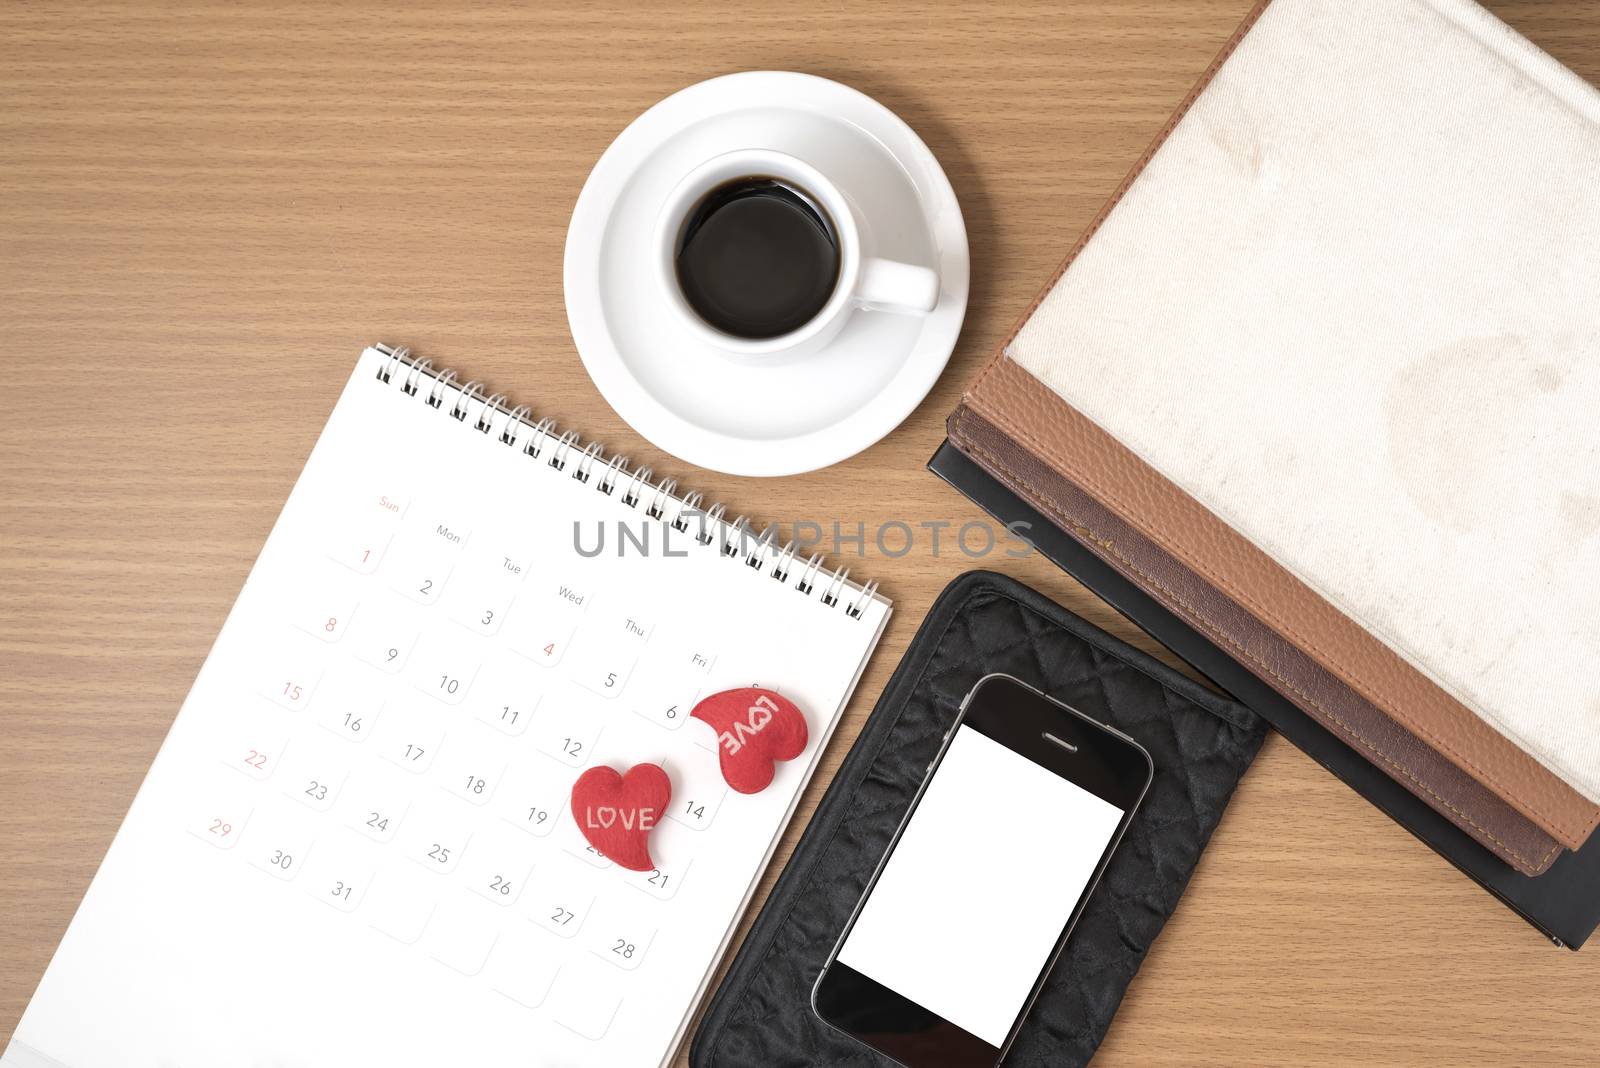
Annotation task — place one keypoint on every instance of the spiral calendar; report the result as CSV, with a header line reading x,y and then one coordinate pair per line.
x,y
354,846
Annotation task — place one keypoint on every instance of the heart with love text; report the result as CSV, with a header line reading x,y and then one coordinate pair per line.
x,y
755,728
616,812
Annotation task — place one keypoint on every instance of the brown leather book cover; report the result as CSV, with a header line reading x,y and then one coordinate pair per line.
x,y
1454,794
1283,631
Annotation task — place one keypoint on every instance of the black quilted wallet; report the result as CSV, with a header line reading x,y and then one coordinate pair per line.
x,y
982,623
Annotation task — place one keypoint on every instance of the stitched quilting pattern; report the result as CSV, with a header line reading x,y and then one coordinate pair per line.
x,y
1201,744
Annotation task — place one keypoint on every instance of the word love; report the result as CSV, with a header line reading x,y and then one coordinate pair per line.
x,y
616,812
604,816
755,728
757,717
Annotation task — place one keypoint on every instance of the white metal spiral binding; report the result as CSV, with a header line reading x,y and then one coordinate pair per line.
x,y
808,577
733,537
614,471
536,440
586,461
636,485
486,413
440,384
830,596
589,464
469,392
780,569
563,446
713,517
658,503
417,370
756,558
691,506
514,422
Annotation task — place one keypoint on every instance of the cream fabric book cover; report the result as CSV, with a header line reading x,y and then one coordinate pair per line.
x,y
1359,321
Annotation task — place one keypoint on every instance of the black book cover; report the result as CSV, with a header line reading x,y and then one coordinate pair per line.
x,y
1563,903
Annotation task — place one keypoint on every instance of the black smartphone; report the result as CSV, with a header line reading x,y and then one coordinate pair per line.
x,y
984,880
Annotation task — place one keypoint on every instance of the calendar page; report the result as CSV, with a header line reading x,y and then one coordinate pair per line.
x,y
355,845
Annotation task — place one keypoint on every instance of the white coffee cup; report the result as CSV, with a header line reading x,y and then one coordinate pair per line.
x,y
864,281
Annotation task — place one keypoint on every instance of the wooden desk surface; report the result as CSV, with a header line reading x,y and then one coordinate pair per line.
x,y
206,211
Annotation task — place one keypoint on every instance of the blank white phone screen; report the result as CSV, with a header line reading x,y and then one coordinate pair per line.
x,y
984,878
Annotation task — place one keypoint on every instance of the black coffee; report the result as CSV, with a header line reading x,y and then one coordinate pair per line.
x,y
758,258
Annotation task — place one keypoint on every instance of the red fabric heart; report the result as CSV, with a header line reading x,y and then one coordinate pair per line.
x,y
616,813
755,728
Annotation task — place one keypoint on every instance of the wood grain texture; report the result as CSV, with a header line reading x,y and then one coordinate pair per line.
x,y
206,211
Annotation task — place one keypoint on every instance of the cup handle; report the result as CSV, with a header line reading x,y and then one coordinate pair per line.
x,y
894,286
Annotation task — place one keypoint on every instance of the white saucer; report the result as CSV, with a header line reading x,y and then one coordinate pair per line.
x,y
746,417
